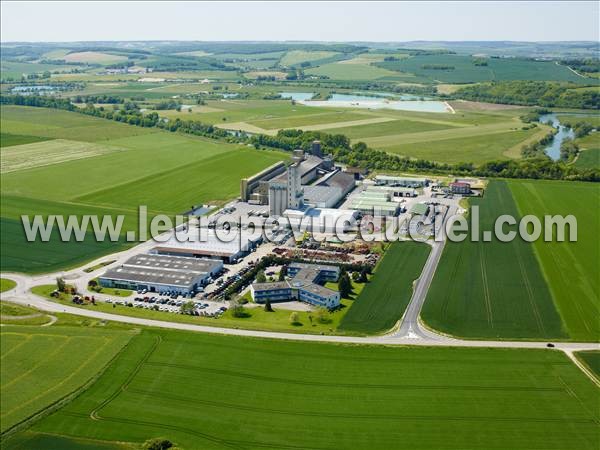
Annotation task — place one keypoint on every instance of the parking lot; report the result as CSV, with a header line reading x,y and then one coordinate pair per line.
x,y
156,302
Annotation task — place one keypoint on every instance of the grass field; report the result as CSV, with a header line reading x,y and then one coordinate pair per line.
x,y
6,284
42,365
492,289
209,391
592,360
102,167
383,300
570,268
14,309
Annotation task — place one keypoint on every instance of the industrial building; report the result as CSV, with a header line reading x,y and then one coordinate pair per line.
x,y
305,285
419,209
324,220
160,273
256,189
459,187
376,201
404,181
329,190
207,244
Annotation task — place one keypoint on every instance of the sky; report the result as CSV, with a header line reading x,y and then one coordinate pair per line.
x,y
313,21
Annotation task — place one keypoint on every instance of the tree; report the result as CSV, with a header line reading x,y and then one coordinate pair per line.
x,y
188,307
282,273
60,284
294,318
237,309
268,307
157,444
322,315
261,277
344,285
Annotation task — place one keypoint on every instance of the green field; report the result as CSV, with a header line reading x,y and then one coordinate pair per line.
x,y
592,360
8,140
493,289
465,71
365,72
383,300
106,168
6,284
42,365
296,57
394,127
589,159
570,268
209,391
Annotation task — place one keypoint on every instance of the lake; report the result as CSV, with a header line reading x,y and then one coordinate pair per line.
x,y
297,96
407,102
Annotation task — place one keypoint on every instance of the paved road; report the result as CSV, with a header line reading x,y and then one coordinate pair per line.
x,y
410,332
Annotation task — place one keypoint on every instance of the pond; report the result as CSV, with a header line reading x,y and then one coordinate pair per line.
x,y
407,102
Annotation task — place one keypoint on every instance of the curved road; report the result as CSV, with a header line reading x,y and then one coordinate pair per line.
x,y
409,331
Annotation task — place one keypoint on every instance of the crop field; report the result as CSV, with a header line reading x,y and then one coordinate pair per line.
x,y
363,72
42,365
393,127
94,58
383,300
28,156
318,118
461,69
230,391
167,172
570,268
589,159
591,359
296,57
476,149
8,140
493,289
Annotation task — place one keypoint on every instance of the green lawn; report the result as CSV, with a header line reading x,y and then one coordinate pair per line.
x,y
570,268
14,309
6,284
211,391
493,290
42,365
383,300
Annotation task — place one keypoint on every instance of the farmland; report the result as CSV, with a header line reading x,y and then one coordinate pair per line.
x,y
570,268
124,167
42,365
383,301
592,360
230,391
493,289
463,69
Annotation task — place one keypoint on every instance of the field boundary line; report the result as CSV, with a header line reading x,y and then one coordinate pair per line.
x,y
63,401
486,288
94,413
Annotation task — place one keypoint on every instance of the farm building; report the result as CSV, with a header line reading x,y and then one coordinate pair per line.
x,y
404,181
160,273
305,285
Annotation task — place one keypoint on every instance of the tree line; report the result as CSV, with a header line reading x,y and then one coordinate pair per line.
x,y
538,166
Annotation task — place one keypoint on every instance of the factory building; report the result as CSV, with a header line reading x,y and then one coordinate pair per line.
x,y
249,185
394,191
207,244
325,220
160,273
305,285
295,195
329,190
375,201
404,181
